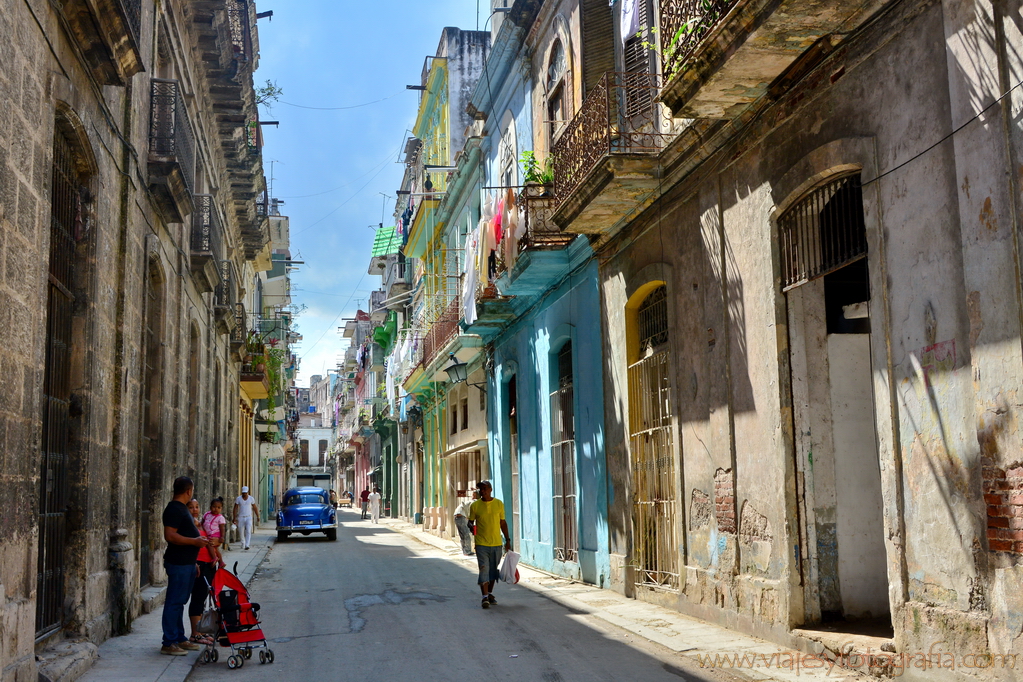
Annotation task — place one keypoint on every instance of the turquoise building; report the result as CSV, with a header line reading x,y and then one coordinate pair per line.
x,y
538,316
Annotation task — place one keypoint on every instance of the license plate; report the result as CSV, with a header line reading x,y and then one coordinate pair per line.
x,y
305,523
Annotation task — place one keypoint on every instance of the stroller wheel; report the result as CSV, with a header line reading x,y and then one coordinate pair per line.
x,y
234,662
262,656
269,656
204,657
214,655
247,652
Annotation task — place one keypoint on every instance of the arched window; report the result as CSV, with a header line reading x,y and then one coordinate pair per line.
x,y
652,442
653,320
67,228
507,154
558,91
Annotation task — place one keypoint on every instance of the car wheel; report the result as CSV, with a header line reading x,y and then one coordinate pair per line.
x,y
331,534
282,536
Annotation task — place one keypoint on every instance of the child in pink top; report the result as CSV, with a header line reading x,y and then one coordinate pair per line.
x,y
214,523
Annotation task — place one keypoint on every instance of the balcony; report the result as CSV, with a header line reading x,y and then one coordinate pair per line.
x,y
241,29
253,381
442,330
224,311
606,159
109,34
257,231
397,281
238,334
207,238
722,55
171,151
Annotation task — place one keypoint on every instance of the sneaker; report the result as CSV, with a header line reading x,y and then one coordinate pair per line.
x,y
490,598
485,603
173,650
191,646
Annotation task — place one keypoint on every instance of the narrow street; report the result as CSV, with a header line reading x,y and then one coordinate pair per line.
x,y
379,605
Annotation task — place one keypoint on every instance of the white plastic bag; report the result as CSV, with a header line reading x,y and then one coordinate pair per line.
x,y
509,567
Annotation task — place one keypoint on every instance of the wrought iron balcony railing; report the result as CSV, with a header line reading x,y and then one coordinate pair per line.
x,y
684,23
133,13
263,204
443,328
620,115
207,234
171,138
224,294
540,229
241,30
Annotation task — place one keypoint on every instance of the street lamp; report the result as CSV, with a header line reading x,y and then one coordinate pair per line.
x,y
458,373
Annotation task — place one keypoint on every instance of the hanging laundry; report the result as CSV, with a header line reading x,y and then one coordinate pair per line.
x,y
511,241
630,19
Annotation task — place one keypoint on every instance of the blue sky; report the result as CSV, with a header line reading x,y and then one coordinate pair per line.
x,y
340,53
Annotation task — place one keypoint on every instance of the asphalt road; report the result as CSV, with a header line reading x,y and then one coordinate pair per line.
x,y
377,605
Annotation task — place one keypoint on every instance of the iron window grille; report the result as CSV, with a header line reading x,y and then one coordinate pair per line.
x,y
822,232
653,319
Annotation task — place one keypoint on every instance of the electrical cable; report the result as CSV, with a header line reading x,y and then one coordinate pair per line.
x,y
334,321
353,106
347,184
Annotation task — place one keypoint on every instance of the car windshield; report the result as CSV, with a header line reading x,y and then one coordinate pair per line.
x,y
303,498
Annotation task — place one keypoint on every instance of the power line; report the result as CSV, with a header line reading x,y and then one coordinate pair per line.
x,y
353,106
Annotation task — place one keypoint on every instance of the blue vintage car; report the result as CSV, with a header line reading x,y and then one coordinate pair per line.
x,y
305,511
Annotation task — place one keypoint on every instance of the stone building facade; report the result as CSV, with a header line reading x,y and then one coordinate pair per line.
x,y
129,172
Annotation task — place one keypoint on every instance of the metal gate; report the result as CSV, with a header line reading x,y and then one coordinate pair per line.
x,y
65,224
652,448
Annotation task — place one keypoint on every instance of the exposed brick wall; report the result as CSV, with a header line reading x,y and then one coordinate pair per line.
x,y
1003,495
724,500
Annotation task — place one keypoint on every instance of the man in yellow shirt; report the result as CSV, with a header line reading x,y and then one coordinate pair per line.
x,y
488,515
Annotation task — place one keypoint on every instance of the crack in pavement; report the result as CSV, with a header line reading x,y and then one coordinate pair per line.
x,y
356,605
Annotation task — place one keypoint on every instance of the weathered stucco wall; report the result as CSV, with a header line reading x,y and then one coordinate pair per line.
x,y
944,314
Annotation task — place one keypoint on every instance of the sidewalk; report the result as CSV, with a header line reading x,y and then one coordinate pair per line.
x,y
136,656
707,645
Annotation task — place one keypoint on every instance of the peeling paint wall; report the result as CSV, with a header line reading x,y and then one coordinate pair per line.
x,y
941,213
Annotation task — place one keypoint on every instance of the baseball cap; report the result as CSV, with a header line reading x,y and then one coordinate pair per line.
x,y
245,488
484,484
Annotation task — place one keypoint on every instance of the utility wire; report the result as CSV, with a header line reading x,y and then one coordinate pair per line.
x,y
354,291
353,106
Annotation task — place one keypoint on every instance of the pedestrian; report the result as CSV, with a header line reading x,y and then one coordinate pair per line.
x,y
488,514
244,508
364,496
333,498
215,524
374,505
462,523
207,560
183,544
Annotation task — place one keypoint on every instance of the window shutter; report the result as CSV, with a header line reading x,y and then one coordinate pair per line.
x,y
598,46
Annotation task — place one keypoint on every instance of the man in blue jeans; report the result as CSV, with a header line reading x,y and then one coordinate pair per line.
x,y
183,543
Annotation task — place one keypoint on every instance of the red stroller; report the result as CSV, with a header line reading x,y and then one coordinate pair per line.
x,y
239,623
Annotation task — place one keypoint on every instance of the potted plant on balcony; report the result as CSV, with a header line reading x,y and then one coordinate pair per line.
x,y
535,173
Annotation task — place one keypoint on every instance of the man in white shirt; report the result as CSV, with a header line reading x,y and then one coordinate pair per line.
x,y
244,508
374,505
462,523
